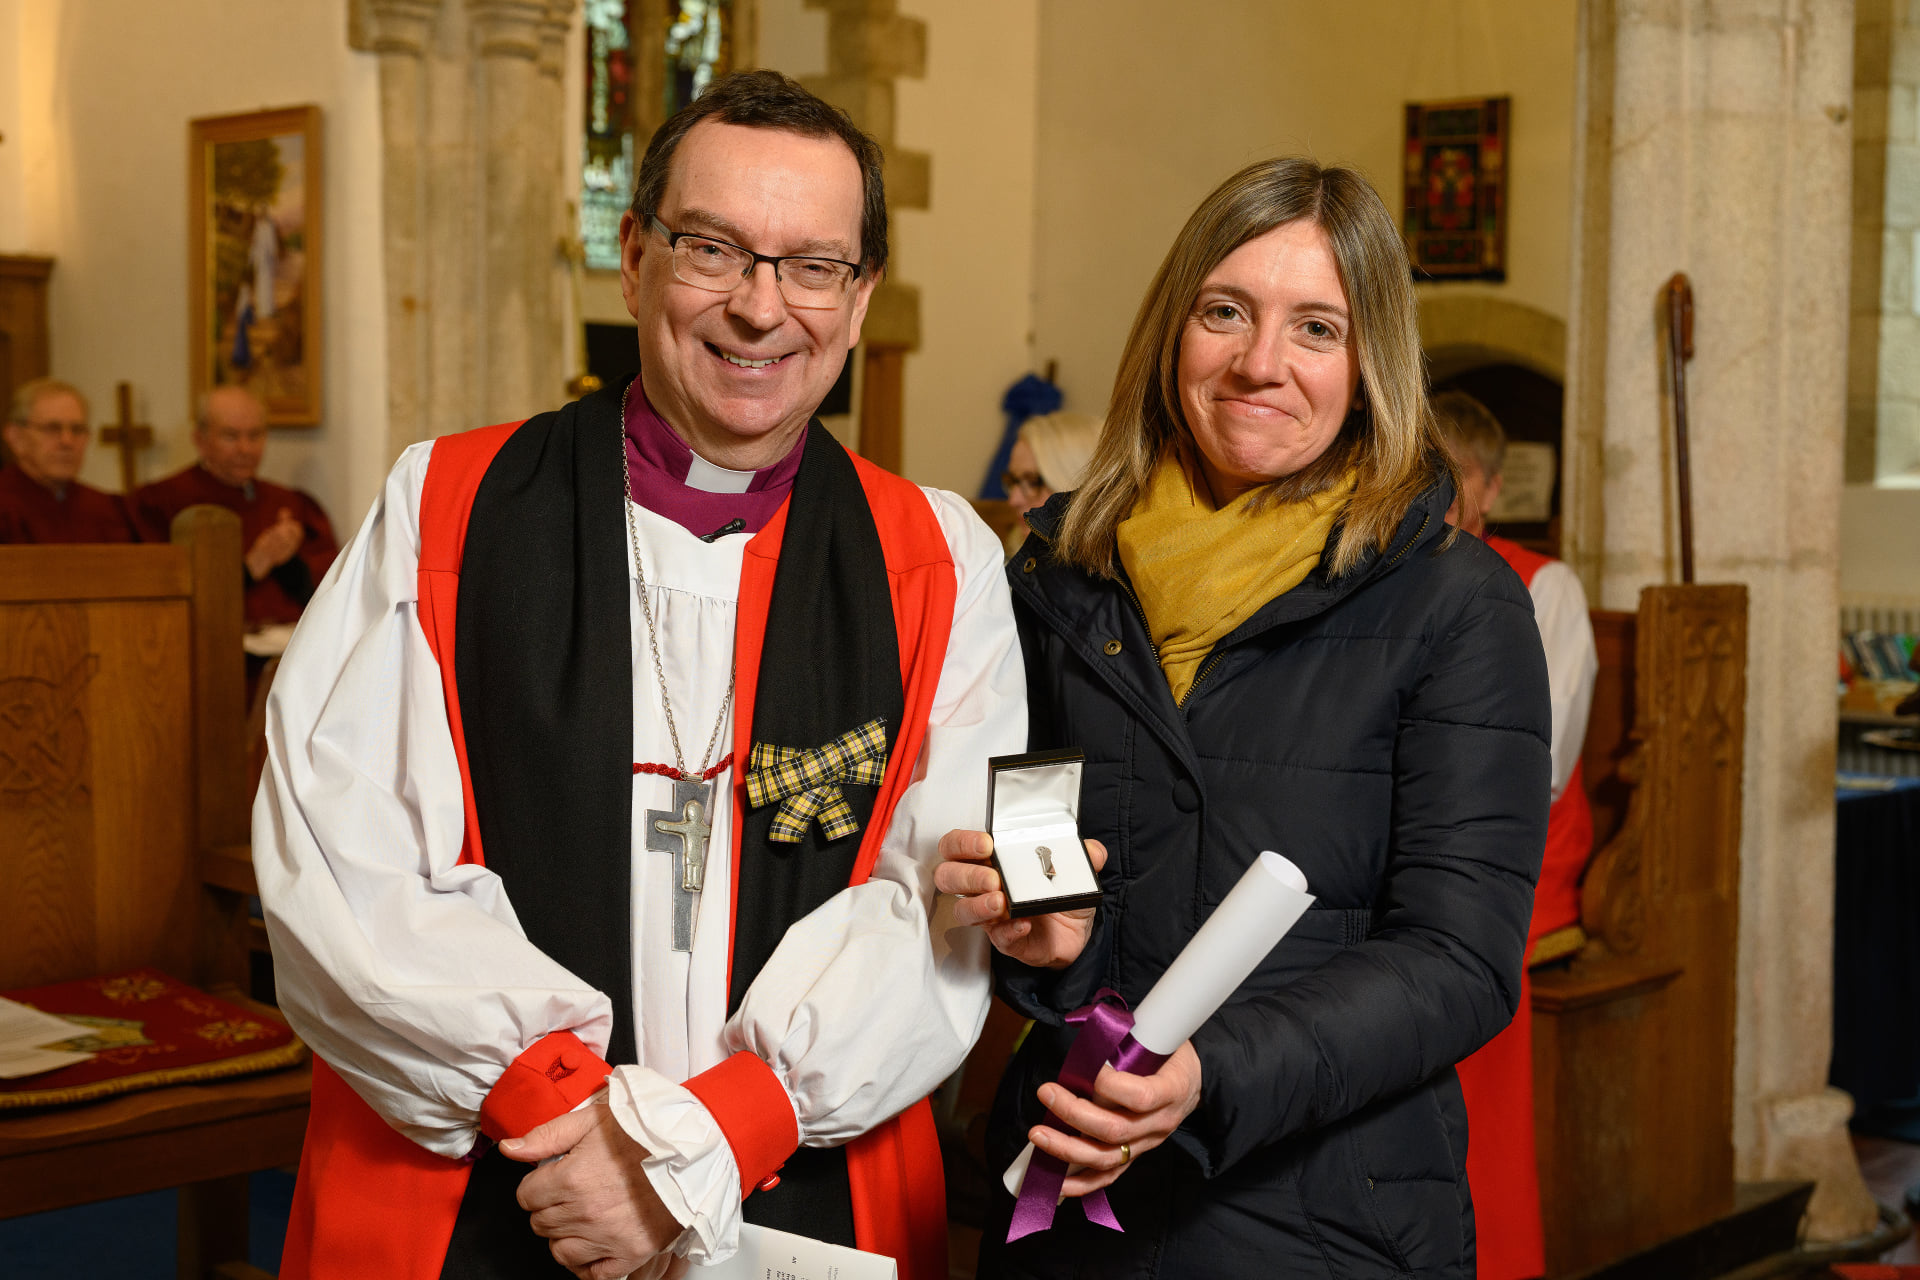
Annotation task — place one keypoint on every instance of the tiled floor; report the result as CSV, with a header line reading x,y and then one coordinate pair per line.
x,y
1891,1168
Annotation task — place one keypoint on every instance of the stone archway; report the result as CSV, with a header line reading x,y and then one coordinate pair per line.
x,y
1463,330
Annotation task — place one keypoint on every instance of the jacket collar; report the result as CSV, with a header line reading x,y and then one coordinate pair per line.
x,y
1062,593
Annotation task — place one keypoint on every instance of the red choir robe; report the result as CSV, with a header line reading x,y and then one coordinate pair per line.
x,y
281,595
1498,1079
32,513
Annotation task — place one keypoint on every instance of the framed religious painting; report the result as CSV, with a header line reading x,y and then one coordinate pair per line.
x,y
254,224
1455,174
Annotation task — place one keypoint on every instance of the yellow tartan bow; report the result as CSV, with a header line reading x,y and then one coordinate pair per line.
x,y
808,780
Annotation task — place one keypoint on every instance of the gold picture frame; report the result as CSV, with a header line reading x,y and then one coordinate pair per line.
x,y
254,225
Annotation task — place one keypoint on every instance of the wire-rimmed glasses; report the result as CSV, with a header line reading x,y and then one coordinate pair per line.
x,y
719,267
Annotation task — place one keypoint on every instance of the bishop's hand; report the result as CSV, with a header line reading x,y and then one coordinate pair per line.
x,y
596,1208
1051,941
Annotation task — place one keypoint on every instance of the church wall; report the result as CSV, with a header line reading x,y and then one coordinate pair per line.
x,y
970,252
1876,541
108,198
1145,107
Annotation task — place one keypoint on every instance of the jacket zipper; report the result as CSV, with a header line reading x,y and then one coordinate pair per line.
x,y
1413,541
1145,626
1194,688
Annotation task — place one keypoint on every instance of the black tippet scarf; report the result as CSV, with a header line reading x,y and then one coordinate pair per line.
x,y
544,661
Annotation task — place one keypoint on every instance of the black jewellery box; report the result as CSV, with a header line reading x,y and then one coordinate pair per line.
x,y
1033,814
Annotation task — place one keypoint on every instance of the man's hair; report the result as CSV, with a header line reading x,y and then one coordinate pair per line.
x,y
32,393
1388,439
203,404
769,100
1470,431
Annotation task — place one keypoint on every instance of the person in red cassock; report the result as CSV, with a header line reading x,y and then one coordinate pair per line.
x,y
607,772
1498,1080
288,540
41,498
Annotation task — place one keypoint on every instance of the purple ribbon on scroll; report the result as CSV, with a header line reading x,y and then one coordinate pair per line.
x,y
1105,1036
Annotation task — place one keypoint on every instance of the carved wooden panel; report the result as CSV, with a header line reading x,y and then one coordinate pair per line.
x,y
46,794
1633,1040
96,788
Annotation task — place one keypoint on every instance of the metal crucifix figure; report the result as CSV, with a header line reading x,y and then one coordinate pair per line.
x,y
683,831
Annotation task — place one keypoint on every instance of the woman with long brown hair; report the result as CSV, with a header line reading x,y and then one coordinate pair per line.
x,y
1253,620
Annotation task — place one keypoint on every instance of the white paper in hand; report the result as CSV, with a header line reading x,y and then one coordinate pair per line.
x,y
1269,900
766,1254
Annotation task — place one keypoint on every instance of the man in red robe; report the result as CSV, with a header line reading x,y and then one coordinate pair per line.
x,y
608,770
40,498
288,539
1498,1080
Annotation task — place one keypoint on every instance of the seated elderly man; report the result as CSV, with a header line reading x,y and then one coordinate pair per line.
x,y
288,539
41,499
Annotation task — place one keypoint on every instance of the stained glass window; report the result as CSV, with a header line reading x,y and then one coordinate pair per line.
x,y
693,42
699,48
606,179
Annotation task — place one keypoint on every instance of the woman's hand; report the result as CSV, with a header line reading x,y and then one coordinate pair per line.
x,y
1137,1111
1051,941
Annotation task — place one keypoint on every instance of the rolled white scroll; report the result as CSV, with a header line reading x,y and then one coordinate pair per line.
x,y
1269,900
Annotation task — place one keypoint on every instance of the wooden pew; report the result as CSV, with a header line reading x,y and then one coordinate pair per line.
x,y
1633,1035
123,831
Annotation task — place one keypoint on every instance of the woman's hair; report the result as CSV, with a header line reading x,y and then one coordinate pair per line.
x,y
1062,445
1388,437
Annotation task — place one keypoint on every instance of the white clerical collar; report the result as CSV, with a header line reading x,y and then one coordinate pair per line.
x,y
703,475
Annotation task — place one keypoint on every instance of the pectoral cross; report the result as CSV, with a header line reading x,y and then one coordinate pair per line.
x,y
682,831
128,436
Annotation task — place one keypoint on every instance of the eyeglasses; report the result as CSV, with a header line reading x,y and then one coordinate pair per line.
x,y
1031,482
54,430
718,267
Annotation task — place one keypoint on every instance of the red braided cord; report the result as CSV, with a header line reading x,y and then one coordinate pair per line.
x,y
668,771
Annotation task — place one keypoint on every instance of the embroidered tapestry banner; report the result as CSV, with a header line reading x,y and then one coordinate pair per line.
x,y
1455,173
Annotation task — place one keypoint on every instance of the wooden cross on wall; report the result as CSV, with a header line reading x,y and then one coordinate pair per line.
x,y
128,436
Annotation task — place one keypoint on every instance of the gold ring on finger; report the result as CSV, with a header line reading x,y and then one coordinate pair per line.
x,y
1126,1154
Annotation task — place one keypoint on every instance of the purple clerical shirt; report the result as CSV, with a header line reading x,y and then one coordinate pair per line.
x,y
669,478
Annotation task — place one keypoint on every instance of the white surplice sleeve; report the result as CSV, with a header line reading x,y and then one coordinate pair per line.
x,y
873,999
407,972
1566,631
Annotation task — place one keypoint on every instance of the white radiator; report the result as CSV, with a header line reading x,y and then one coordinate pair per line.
x,y
1879,613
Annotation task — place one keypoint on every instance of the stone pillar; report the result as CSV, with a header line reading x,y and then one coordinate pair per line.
x,y
506,35
1883,384
399,32
1721,148
472,119
869,44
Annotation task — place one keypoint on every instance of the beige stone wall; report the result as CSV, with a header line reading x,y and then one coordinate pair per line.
x,y
97,134
1144,107
1883,384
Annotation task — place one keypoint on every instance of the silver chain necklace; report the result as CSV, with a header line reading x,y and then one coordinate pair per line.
x,y
646,609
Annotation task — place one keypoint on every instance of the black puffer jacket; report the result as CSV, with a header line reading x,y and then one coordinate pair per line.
x,y
1388,732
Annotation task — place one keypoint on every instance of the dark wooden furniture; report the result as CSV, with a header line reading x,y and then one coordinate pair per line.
x,y
1633,1036
123,829
25,352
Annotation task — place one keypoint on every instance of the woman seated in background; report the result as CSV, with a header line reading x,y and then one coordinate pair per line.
x,y
1254,620
1049,456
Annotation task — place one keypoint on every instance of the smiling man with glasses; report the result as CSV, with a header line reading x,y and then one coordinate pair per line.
x,y
41,497
609,767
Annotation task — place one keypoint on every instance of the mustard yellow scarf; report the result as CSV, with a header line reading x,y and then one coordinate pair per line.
x,y
1201,571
